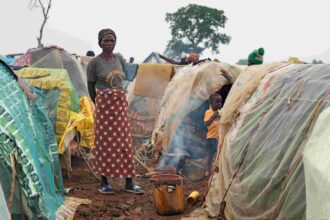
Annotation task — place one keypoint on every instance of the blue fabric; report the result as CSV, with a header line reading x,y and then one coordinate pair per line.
x,y
8,60
130,71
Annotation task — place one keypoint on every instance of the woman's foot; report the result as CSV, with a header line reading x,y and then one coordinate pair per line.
x,y
106,189
135,189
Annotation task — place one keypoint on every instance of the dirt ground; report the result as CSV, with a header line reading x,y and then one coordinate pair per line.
x,y
121,205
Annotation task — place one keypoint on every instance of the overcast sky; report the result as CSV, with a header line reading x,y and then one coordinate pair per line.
x,y
283,27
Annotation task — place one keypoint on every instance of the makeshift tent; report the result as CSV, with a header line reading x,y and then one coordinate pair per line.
x,y
180,124
31,177
153,58
144,96
316,167
61,101
28,150
55,85
7,60
268,117
84,61
57,58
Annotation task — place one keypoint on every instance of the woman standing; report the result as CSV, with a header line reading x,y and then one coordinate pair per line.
x,y
113,145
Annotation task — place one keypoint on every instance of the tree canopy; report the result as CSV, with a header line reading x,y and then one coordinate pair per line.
x,y
195,28
317,61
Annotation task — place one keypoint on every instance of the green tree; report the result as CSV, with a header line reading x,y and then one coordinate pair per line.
x,y
242,62
317,61
195,28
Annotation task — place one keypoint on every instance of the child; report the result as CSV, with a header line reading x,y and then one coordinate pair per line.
x,y
211,119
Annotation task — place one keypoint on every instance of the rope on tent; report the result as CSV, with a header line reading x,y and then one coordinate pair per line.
x,y
316,111
12,187
221,215
12,182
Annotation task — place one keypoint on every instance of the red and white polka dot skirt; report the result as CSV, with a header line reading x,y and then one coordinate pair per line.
x,y
113,144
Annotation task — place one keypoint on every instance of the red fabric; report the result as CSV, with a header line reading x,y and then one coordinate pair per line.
x,y
113,142
24,60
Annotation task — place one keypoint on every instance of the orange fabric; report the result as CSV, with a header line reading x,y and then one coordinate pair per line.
x,y
213,128
152,79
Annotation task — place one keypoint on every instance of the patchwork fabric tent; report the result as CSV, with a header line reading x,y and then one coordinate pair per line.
x,y
180,124
28,150
59,75
273,116
56,58
63,105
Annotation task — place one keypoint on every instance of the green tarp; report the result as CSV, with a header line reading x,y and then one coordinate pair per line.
x,y
27,134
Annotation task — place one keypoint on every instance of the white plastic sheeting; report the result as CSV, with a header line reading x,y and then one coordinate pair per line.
x,y
3,206
317,169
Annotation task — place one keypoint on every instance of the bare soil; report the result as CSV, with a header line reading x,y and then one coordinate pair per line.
x,y
121,205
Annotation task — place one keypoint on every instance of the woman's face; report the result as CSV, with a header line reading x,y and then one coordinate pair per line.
x,y
108,43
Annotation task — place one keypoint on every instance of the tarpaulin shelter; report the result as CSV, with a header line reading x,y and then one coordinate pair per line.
x,y
57,58
7,60
28,150
180,123
153,58
63,105
267,123
316,166
144,96
59,75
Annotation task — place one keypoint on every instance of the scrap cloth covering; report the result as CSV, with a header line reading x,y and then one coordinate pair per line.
x,y
113,142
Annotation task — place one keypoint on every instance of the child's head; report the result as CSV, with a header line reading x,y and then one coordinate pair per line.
x,y
215,101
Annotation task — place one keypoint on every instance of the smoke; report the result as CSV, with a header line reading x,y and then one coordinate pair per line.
x,y
177,150
190,137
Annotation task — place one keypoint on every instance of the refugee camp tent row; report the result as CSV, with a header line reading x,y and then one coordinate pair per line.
x,y
272,156
180,130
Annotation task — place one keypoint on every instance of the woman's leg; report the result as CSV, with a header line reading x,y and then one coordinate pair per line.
x,y
105,187
130,187
104,181
129,183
